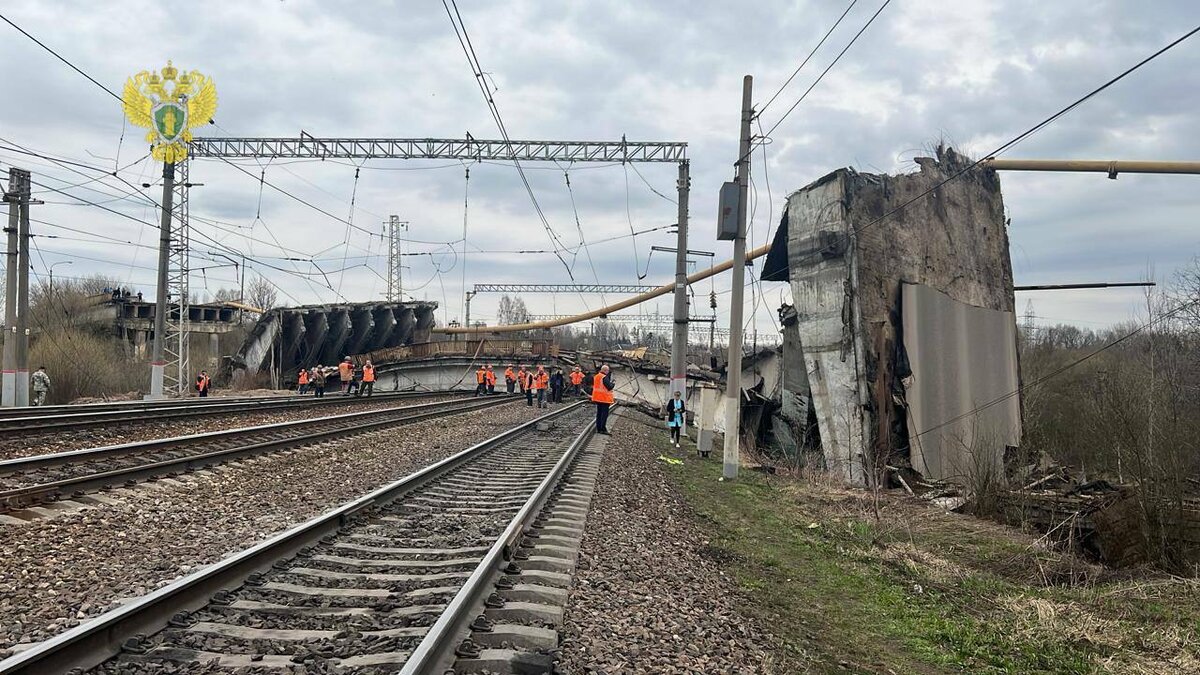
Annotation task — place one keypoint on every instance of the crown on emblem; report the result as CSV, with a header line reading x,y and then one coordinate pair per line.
x,y
169,72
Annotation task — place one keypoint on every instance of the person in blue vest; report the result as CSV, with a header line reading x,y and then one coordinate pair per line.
x,y
676,417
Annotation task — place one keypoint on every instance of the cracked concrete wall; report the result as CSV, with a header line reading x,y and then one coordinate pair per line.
x,y
849,251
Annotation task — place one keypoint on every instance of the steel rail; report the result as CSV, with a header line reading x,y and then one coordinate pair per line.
x,y
435,652
91,643
359,422
86,418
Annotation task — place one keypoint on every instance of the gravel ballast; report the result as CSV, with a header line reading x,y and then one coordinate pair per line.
x,y
28,443
55,573
645,599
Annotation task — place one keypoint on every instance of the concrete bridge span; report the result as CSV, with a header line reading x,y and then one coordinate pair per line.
x,y
289,338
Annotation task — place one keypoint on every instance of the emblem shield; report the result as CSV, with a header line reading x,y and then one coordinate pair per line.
x,y
170,120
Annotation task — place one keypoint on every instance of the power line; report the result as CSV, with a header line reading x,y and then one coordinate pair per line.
x,y
806,59
1029,132
830,66
58,56
464,40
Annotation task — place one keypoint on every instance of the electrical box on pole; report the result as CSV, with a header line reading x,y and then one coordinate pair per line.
x,y
727,213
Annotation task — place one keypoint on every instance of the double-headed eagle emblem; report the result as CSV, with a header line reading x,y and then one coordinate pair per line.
x,y
169,105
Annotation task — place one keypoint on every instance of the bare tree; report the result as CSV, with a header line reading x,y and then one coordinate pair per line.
x,y
261,293
512,311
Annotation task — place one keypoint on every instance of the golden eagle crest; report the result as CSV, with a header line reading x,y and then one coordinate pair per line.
x,y
169,105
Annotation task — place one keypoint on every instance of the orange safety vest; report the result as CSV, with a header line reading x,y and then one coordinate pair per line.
x,y
303,378
523,379
202,383
479,375
490,376
600,393
508,375
368,373
540,380
576,377
345,371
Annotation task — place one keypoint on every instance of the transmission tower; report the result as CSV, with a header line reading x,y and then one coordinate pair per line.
x,y
395,277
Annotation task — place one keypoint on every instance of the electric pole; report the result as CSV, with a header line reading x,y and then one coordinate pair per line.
x,y
679,338
18,186
469,295
23,261
158,363
733,369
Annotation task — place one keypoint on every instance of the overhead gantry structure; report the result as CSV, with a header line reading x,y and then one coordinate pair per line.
x,y
468,149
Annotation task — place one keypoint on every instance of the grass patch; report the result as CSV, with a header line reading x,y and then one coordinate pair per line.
x,y
924,591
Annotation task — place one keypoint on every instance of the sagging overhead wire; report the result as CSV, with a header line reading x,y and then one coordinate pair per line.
x,y
464,40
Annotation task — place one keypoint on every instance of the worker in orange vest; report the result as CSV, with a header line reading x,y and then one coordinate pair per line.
x,y
539,382
510,378
527,385
576,381
203,383
346,375
489,378
602,396
480,381
368,380
302,382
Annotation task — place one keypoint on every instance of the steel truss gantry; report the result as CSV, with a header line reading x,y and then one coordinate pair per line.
x,y
468,149
465,149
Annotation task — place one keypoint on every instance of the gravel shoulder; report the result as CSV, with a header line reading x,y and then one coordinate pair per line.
x,y
26,444
648,595
58,572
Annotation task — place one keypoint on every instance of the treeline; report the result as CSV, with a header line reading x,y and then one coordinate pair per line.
x,y
1122,404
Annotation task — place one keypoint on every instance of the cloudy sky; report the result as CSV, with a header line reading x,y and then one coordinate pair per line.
x,y
973,73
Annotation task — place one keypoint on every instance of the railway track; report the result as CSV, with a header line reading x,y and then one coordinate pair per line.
x,y
28,481
462,564
58,418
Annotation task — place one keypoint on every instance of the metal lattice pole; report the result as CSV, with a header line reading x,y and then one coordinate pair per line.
x,y
177,344
395,279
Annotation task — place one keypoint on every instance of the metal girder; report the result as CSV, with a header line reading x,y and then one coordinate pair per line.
x,y
467,149
562,288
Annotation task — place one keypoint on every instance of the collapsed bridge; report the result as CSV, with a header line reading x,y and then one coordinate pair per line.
x,y
289,338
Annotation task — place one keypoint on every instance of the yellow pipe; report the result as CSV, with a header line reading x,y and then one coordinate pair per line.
x,y
603,311
1110,167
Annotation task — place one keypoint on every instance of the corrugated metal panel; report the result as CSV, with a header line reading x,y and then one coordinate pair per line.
x,y
962,397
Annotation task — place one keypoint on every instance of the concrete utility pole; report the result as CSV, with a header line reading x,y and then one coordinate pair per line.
x,y
733,371
23,299
467,311
679,338
17,180
158,363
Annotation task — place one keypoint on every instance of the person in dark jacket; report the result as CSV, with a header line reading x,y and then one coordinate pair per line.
x,y
317,380
676,417
557,382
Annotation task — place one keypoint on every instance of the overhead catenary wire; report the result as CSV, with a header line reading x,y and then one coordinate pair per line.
x,y
803,63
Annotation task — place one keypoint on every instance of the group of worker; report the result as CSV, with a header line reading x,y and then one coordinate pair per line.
x,y
543,387
538,384
351,380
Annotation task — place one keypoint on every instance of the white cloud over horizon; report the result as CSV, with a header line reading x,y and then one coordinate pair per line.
x,y
973,73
